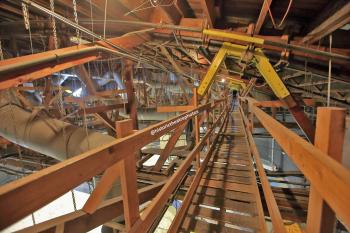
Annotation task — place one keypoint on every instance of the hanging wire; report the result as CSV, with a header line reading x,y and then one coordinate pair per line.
x,y
329,72
104,22
139,8
151,4
92,21
27,24
1,53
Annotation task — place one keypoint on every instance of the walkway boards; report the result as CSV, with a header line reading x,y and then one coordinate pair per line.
x,y
227,199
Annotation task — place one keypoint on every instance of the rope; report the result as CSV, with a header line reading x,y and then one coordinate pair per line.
x,y
284,17
76,20
53,21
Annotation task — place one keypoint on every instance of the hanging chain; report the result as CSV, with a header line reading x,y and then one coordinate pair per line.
x,y
92,21
76,19
1,53
27,23
25,16
53,21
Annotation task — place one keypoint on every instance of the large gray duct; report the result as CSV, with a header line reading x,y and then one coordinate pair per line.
x,y
45,135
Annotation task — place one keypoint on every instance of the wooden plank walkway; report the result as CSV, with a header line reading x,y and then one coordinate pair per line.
x,y
227,199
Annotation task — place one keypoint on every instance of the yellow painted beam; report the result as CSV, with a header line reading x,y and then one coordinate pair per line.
x,y
233,36
271,77
213,69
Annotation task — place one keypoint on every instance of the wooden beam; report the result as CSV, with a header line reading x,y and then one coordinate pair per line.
x,y
181,108
85,77
144,223
81,222
35,72
34,191
329,177
123,129
263,12
169,147
108,178
275,215
335,21
175,65
175,225
128,177
196,126
128,75
109,93
330,131
129,190
208,6
279,103
100,109
166,14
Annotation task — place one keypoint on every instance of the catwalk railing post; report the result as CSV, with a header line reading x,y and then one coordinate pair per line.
x,y
128,73
329,137
128,177
196,125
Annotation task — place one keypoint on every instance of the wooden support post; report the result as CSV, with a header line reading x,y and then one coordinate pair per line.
x,y
80,222
196,126
128,177
251,121
128,74
123,129
207,117
129,190
276,219
329,137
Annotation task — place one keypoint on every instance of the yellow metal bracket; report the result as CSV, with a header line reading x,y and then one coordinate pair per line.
x,y
261,62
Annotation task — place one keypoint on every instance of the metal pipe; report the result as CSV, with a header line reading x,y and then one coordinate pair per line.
x,y
109,21
19,67
52,137
284,45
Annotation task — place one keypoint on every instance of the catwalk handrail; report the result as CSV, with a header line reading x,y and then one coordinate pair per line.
x,y
330,178
32,192
275,215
